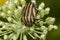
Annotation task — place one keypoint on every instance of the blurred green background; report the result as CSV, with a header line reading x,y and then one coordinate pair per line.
x,y
54,12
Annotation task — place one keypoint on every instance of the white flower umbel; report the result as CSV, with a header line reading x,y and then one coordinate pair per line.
x,y
12,27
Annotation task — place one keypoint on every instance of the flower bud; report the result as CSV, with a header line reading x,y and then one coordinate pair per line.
x,y
11,6
42,36
41,23
42,28
55,27
3,15
50,20
9,19
33,1
41,6
42,14
50,27
47,11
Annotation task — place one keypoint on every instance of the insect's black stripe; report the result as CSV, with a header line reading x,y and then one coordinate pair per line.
x,y
30,12
23,14
24,11
31,16
33,13
26,15
35,10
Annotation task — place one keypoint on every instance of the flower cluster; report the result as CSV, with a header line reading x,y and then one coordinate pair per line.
x,y
12,28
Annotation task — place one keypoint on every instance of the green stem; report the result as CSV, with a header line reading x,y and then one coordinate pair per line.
x,y
31,35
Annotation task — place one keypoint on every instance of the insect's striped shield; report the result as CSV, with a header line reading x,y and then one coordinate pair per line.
x,y
28,14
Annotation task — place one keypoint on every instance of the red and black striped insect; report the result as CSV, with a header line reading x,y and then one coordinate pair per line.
x,y
28,14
